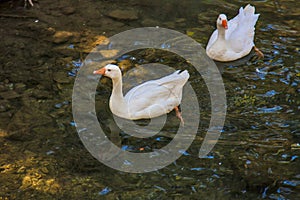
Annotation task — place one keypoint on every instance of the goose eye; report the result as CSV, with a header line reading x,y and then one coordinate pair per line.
x,y
109,70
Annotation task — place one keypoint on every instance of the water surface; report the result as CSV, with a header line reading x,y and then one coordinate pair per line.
x,y
42,157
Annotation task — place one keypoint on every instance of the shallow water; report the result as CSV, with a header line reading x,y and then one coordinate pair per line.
x,y
42,157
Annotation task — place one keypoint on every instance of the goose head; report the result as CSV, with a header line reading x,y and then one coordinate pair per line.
x,y
110,70
222,21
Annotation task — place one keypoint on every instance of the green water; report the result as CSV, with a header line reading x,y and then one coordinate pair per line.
x,y
42,157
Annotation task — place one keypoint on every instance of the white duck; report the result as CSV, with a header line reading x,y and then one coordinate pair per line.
x,y
147,100
233,39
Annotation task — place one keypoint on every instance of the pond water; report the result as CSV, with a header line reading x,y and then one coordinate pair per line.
x,y
42,157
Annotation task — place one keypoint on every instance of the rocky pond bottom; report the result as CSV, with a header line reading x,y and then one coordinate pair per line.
x,y
42,157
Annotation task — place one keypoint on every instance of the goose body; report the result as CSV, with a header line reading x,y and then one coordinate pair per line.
x,y
233,39
147,100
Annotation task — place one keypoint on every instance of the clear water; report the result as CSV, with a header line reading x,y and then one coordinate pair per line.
x,y
42,156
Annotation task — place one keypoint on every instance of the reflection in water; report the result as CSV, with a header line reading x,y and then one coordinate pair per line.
x,y
42,157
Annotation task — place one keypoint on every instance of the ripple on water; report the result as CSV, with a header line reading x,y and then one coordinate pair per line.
x,y
197,169
76,67
269,93
105,191
71,46
268,110
292,183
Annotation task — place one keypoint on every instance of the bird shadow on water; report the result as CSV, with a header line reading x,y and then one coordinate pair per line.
x,y
145,134
234,67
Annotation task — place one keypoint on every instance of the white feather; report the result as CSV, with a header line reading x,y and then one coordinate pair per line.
x,y
239,37
147,100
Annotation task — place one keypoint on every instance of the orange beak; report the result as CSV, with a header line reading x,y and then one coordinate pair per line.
x,y
224,24
100,71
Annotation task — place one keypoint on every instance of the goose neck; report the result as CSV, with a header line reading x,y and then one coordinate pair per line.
x,y
117,88
221,33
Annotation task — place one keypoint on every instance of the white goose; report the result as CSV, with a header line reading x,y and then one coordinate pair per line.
x,y
233,39
147,100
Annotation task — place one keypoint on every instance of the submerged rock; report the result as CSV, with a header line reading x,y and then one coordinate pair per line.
x,y
9,94
62,36
61,77
26,182
123,14
2,107
24,120
68,10
150,22
20,87
44,170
